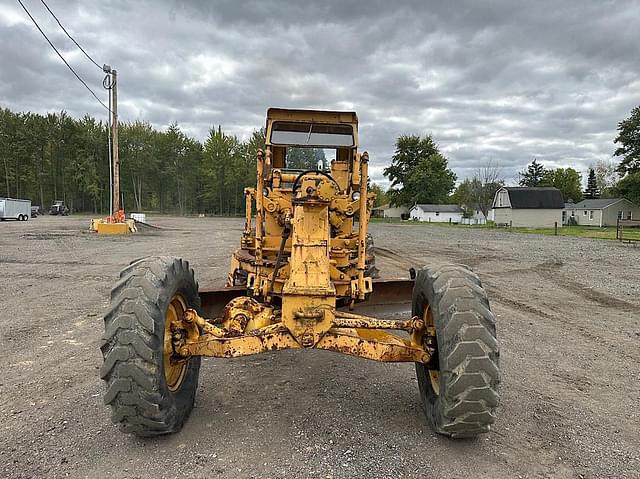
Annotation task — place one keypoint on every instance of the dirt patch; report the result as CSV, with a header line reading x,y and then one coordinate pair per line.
x,y
567,325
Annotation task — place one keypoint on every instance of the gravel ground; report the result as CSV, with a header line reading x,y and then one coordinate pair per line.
x,y
568,324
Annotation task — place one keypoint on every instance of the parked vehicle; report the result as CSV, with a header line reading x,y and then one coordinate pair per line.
x,y
15,209
313,291
59,208
35,211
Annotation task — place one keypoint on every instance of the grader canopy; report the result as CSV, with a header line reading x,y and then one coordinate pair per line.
x,y
303,277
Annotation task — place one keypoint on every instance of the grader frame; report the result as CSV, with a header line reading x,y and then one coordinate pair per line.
x,y
300,259
302,278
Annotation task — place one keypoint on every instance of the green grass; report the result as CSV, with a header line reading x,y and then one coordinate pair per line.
x,y
608,233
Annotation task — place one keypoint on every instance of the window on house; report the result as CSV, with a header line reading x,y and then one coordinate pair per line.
x,y
620,215
437,213
629,215
502,199
573,212
591,214
584,213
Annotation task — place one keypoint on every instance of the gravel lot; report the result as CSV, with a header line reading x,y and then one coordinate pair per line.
x,y
569,327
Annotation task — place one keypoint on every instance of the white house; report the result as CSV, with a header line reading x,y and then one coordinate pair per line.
x,y
437,213
477,217
599,212
529,207
388,211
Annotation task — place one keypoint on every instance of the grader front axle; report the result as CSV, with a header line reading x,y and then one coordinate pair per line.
x,y
352,334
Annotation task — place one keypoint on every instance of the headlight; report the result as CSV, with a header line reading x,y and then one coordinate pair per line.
x,y
355,196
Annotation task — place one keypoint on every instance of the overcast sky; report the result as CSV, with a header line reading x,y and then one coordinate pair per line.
x,y
504,81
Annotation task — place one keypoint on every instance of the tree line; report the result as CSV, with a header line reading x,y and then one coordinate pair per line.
x,y
56,157
419,173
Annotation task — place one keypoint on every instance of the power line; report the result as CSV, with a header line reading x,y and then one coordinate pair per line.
x,y
70,37
61,57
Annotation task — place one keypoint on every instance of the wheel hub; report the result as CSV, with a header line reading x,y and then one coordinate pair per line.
x,y
432,345
174,369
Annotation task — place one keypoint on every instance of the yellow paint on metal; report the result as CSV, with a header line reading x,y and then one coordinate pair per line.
x,y
113,228
430,330
174,370
300,256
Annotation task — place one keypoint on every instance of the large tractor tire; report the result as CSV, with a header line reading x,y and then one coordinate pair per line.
x,y
149,393
459,388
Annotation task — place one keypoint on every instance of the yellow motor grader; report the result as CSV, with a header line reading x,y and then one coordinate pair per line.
x,y
302,278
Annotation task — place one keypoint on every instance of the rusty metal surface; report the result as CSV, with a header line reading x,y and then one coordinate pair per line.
x,y
350,320
297,278
386,292
270,339
213,300
381,348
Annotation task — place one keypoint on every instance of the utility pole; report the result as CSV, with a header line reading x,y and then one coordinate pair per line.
x,y
112,85
114,133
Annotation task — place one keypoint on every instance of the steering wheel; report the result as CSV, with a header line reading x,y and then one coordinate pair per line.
x,y
299,177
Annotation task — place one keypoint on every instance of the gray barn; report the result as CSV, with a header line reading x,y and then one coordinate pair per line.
x,y
528,207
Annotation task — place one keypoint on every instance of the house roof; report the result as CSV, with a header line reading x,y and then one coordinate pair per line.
x,y
596,204
535,197
382,207
390,206
441,208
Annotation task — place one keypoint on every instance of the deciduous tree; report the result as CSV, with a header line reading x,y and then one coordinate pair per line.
x,y
629,140
567,180
418,172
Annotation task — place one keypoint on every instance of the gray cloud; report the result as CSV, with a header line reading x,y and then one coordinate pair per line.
x,y
500,81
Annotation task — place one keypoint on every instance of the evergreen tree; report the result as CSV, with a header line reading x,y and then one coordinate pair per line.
x,y
592,191
55,157
533,175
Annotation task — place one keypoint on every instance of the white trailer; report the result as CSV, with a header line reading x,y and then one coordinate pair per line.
x,y
14,209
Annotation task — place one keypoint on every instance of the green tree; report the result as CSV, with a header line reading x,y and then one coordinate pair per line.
x,y
222,154
606,177
476,194
138,162
305,158
629,140
418,172
592,191
533,175
629,187
463,196
381,195
567,180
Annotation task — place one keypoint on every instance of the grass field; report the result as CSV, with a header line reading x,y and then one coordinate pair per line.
x,y
608,233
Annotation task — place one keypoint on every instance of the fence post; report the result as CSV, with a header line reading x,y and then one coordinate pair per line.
x,y
555,228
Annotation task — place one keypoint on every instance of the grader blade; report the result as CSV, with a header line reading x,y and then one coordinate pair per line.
x,y
390,299
213,300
